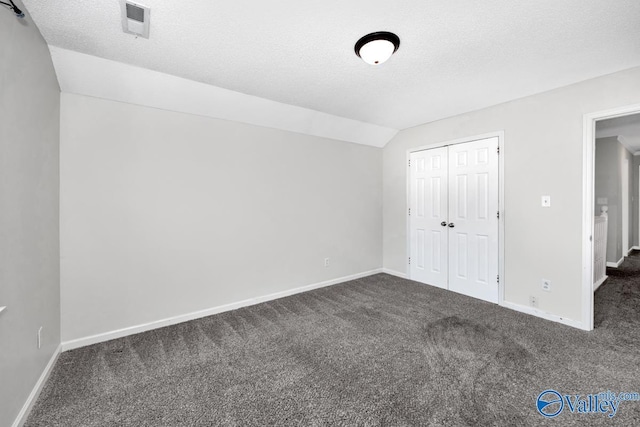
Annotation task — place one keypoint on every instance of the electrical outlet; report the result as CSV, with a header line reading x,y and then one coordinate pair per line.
x,y
533,301
546,285
326,262
40,337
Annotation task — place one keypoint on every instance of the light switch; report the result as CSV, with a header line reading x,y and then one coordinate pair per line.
x,y
546,201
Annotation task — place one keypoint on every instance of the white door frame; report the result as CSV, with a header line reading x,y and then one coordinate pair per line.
x,y
626,220
500,136
588,190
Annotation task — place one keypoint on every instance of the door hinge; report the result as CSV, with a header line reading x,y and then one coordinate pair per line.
x,y
498,149
409,211
409,260
498,278
498,214
409,162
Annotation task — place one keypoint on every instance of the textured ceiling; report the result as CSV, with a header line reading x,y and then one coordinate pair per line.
x,y
455,56
626,128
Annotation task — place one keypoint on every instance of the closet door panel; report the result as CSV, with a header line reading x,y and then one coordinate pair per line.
x,y
473,221
428,211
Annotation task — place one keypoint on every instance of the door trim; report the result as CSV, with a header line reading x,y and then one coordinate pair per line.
x,y
625,202
500,136
588,190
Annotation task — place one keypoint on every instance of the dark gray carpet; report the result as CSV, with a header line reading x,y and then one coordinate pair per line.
x,y
376,351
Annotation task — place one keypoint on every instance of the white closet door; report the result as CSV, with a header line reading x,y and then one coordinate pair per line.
x,y
428,204
473,228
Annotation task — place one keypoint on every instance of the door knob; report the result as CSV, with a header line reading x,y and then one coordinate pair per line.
x,y
443,223
451,225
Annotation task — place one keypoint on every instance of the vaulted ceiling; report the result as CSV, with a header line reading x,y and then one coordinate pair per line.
x,y
455,55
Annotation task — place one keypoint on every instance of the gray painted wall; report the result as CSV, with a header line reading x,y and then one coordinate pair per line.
x,y
543,156
165,213
609,159
29,254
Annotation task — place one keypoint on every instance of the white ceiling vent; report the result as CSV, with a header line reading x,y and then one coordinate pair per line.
x,y
135,18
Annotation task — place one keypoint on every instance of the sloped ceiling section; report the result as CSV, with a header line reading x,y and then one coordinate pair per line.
x,y
83,74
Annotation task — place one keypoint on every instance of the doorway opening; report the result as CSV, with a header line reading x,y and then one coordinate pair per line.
x,y
611,210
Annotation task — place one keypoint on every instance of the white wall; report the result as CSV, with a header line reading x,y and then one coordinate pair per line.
x,y
29,251
543,156
165,213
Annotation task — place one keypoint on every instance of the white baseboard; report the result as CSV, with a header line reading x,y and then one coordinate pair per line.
x,y
131,330
542,314
599,283
33,396
395,273
635,248
615,264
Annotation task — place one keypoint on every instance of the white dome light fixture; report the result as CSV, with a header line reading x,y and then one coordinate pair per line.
x,y
376,48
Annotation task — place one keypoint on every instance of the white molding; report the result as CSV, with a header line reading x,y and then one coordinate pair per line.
x,y
407,205
89,75
499,134
634,248
543,314
501,252
131,330
599,283
37,388
588,189
615,264
501,176
623,141
588,192
629,251
395,273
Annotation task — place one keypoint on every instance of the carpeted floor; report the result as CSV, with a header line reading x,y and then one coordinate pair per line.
x,y
375,351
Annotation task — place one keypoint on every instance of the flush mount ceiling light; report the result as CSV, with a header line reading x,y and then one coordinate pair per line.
x,y
376,48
